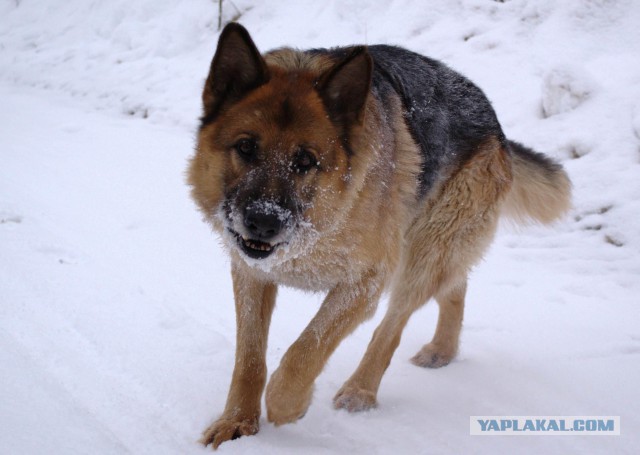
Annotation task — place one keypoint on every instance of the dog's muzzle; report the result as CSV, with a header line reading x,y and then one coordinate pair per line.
x,y
263,223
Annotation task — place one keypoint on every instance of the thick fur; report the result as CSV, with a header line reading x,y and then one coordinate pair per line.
x,y
350,171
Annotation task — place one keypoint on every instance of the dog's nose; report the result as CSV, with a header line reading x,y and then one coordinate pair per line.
x,y
263,222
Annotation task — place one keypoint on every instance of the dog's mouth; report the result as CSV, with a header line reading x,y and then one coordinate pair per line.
x,y
255,249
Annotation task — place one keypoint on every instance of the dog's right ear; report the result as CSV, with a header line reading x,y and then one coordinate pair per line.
x,y
236,69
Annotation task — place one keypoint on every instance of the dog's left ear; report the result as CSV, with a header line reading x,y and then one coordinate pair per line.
x,y
345,87
236,69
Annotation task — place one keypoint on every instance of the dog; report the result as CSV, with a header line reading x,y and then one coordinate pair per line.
x,y
351,171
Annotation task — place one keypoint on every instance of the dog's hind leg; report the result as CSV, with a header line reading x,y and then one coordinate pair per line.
x,y
444,345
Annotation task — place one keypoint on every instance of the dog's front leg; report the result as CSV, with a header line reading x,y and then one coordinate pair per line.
x,y
291,385
254,301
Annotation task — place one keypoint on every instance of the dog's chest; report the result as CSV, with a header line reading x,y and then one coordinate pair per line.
x,y
317,272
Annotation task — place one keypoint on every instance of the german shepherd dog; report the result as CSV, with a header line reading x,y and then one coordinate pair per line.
x,y
351,171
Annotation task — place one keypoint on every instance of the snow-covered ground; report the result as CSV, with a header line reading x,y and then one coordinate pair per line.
x,y
116,314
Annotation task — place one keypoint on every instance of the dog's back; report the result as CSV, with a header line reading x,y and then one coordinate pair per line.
x,y
447,115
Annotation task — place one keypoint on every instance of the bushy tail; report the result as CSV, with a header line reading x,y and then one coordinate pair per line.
x,y
541,189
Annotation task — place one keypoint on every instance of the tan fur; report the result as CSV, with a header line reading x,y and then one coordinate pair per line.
x,y
537,195
371,232
291,60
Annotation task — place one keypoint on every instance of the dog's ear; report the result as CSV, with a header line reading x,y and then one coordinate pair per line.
x,y
345,87
236,69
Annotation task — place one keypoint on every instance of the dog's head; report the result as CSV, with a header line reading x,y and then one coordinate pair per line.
x,y
274,165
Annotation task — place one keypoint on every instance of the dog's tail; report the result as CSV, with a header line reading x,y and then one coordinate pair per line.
x,y
541,189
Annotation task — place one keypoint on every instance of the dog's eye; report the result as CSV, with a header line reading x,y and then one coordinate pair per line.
x,y
303,161
246,148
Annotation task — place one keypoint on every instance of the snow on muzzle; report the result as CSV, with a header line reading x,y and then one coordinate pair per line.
x,y
265,225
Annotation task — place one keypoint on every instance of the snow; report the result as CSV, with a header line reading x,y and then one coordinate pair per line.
x,y
116,310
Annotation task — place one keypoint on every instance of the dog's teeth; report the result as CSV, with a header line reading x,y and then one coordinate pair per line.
x,y
256,246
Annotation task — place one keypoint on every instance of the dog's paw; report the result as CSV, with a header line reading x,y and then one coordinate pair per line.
x,y
225,429
431,356
285,403
354,399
